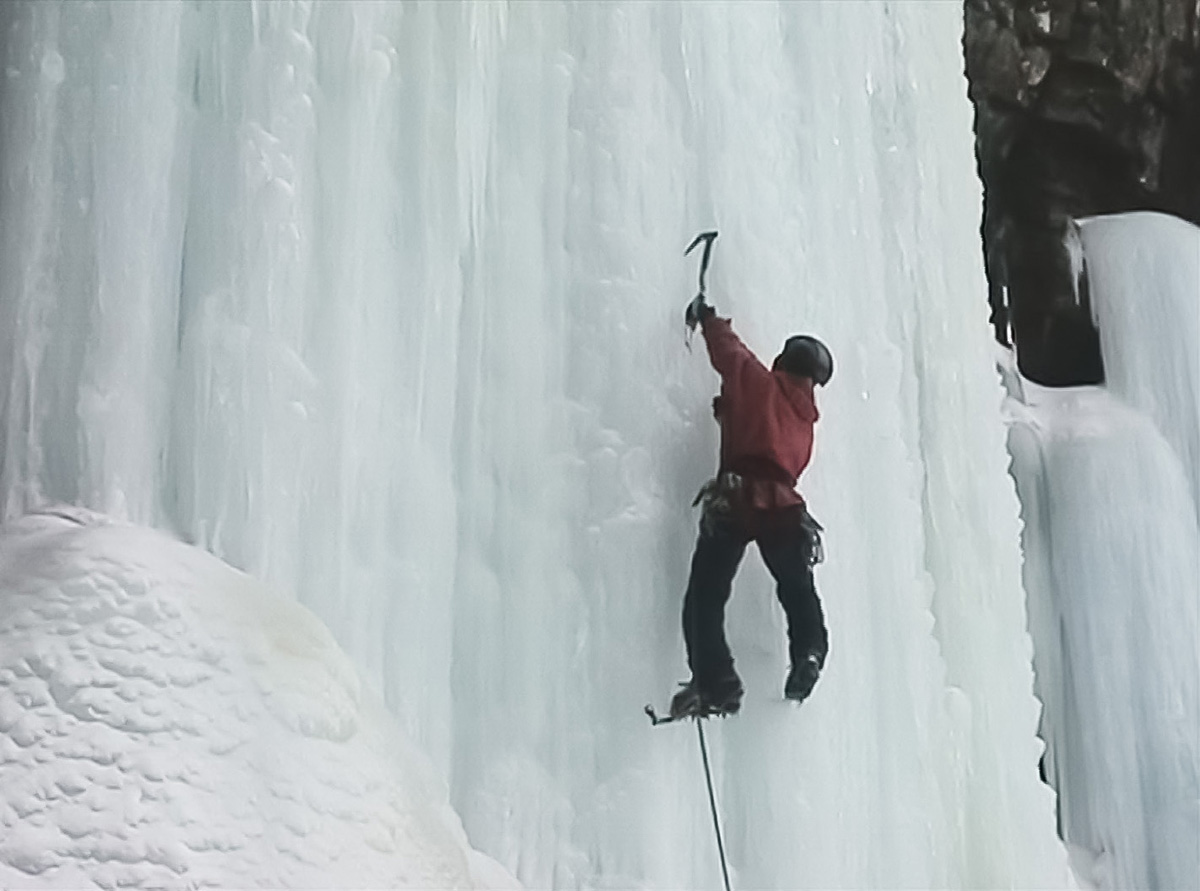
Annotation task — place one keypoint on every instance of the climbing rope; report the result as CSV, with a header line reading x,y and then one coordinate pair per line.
x,y
712,801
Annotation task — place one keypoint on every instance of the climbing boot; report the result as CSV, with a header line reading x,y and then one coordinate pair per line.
x,y
723,697
802,678
696,700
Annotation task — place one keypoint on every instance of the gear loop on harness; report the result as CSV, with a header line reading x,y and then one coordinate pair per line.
x,y
719,498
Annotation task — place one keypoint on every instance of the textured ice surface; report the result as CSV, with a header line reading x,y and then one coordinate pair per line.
x,y
1107,479
167,722
382,303
1144,275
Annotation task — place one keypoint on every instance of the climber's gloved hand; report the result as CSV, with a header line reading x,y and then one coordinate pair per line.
x,y
697,311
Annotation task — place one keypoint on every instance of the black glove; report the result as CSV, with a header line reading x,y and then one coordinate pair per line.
x,y
697,311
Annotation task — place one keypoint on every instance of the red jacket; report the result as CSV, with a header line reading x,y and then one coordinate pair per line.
x,y
766,419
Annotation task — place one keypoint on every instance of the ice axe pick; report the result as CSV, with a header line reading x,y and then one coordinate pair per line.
x,y
707,238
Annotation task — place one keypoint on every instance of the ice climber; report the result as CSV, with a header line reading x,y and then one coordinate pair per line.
x,y
766,418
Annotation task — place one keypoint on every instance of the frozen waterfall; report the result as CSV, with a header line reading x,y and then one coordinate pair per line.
x,y
1108,483
382,304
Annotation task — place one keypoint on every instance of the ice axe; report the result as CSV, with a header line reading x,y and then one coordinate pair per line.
x,y
692,315
707,238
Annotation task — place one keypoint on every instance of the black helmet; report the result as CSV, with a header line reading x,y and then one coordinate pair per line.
x,y
805,356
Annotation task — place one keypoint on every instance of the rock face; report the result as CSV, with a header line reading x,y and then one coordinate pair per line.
x,y
1082,107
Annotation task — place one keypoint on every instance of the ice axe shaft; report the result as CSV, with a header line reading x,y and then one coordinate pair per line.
x,y
707,238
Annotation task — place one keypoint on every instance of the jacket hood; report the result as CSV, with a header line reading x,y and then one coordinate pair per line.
x,y
799,393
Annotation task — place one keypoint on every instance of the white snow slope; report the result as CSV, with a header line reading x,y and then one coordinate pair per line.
x,y
166,722
381,303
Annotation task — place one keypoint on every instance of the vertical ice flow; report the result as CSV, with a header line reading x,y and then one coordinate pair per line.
x,y
1144,274
382,302
1107,477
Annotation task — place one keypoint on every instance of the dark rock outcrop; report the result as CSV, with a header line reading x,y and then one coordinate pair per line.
x,y
1081,107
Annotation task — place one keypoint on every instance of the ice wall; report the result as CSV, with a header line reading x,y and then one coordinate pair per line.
x,y
382,303
1107,478
1144,283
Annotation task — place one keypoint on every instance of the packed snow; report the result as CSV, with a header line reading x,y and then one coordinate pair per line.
x,y
381,304
167,722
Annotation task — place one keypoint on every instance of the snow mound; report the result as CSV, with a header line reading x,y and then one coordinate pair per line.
x,y
165,721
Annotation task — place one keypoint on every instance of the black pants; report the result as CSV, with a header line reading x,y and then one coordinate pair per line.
x,y
786,545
